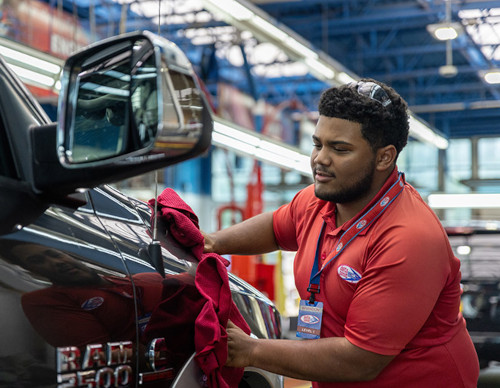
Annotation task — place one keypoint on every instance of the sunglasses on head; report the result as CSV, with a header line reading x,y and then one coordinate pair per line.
x,y
371,90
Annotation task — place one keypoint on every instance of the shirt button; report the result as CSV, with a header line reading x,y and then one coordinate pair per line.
x,y
323,256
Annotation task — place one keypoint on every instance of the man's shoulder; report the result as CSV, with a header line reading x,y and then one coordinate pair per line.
x,y
412,216
414,203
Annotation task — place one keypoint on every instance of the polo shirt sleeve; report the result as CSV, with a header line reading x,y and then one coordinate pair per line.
x,y
404,277
287,217
284,228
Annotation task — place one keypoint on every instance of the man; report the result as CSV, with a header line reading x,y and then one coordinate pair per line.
x,y
373,263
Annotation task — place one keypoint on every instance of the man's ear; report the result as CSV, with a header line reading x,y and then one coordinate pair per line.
x,y
386,157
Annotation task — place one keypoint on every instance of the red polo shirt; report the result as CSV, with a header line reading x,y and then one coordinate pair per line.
x,y
394,290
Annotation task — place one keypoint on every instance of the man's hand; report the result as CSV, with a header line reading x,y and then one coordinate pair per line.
x,y
209,242
239,345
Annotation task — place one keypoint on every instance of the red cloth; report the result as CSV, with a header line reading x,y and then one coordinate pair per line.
x,y
180,218
212,284
174,318
405,295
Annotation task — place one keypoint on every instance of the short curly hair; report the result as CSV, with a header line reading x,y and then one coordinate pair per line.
x,y
380,125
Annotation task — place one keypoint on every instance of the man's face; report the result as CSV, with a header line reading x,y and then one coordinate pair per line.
x,y
342,161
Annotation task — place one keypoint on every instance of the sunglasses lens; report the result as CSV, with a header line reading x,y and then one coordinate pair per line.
x,y
371,90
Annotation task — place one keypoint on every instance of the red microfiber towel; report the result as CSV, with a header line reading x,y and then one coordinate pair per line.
x,y
180,218
212,284
210,326
174,317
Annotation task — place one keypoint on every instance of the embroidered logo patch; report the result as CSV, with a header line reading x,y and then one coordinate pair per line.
x,y
92,303
385,201
349,274
360,224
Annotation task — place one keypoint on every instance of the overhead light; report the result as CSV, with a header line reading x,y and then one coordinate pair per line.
x,y
300,48
464,250
318,67
265,25
231,143
492,76
32,66
345,78
32,77
228,130
247,143
448,71
469,201
445,30
231,7
22,58
422,132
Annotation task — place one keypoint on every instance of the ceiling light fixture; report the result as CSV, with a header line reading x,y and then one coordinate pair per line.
x,y
237,10
252,144
492,76
272,29
421,131
318,67
22,58
299,48
34,67
32,77
468,201
445,30
345,78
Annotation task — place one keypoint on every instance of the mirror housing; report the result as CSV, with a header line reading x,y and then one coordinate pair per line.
x,y
128,105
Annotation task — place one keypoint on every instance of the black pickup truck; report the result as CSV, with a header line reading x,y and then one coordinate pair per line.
x,y
82,266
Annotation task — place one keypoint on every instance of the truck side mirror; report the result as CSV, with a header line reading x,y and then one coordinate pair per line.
x,y
136,96
128,105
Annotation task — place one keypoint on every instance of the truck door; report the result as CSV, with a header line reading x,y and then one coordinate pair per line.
x,y
68,309
166,339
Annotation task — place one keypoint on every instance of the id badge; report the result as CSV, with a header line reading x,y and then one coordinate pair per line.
x,y
309,321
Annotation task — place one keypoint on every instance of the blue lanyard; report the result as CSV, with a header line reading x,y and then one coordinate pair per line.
x,y
352,232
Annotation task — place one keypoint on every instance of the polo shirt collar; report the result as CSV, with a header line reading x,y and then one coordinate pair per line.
x,y
330,209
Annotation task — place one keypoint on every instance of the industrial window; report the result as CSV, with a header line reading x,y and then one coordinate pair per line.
x,y
488,157
458,164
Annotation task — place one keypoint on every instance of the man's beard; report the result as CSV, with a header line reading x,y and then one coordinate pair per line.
x,y
352,192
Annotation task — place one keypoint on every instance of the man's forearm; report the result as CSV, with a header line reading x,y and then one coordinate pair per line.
x,y
252,236
327,359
